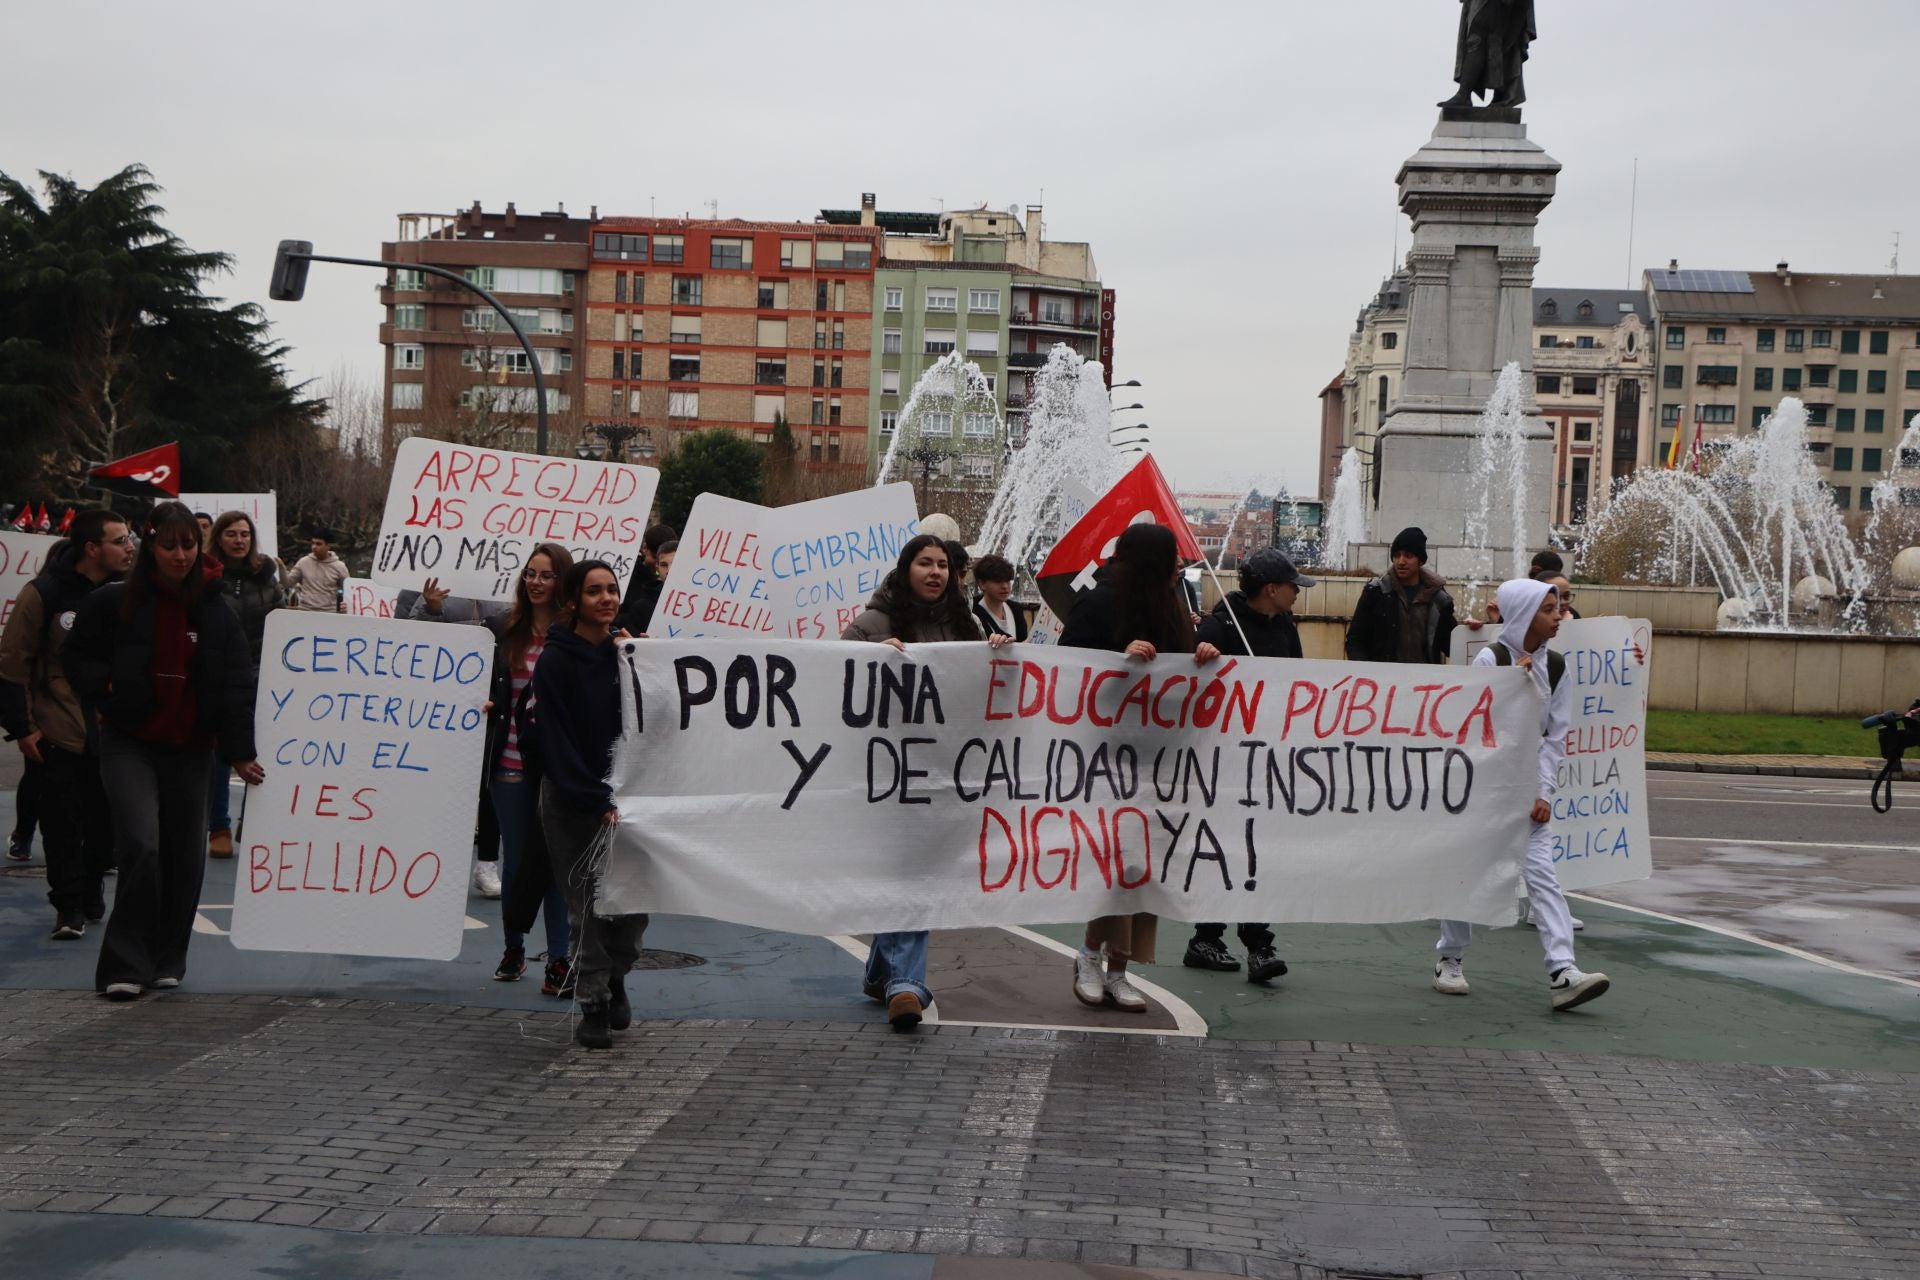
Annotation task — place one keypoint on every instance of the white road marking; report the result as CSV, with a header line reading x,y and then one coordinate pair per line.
x,y
1764,842
1795,804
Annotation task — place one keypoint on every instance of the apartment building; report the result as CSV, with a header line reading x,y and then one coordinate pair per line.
x,y
453,368
696,323
1731,344
1593,378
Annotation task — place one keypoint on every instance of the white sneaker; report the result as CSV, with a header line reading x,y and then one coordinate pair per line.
x,y
1578,923
486,879
1122,994
1450,978
1570,987
1088,984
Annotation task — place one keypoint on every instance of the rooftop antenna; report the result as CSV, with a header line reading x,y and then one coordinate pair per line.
x,y
650,203
1894,265
1633,207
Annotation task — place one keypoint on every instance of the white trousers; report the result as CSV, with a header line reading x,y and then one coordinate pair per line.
x,y
1544,898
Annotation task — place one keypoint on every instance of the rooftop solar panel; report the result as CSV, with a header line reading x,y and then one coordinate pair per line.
x,y
1702,281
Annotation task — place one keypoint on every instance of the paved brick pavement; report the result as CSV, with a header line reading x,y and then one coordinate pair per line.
x,y
1259,1158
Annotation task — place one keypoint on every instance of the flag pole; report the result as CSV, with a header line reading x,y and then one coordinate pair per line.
x,y
1215,575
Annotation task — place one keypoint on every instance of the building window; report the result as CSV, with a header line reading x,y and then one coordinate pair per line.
x,y
408,355
1763,379
681,404
1849,342
729,254
1669,415
890,382
1796,340
1763,339
943,299
1550,308
819,417
983,342
1583,433
796,253
831,253
609,245
683,368
1843,419
1870,461
1673,375
408,395
1819,375
1849,379
1760,412
1789,379
1584,342
889,421
1876,419
1866,500
939,341
687,291
410,316
839,335
1717,413
770,372
984,300
1389,340
407,280
839,373
773,293
1823,337
936,424
1546,384
1584,310
895,298
620,365
1717,375
977,466
1548,342
1816,415
619,286
1586,386
1913,379
833,412
820,295
890,342
977,425
1676,337
1876,382
1716,335
670,249
1840,492
1877,342
770,333
859,257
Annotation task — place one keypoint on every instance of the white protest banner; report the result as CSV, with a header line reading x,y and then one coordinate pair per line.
x,y
365,598
22,557
371,733
1600,831
471,517
803,571
261,508
832,788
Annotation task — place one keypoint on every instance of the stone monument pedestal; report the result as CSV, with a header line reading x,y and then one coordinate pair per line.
x,y
1474,193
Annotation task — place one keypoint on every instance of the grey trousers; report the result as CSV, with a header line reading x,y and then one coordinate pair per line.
x,y
605,947
158,797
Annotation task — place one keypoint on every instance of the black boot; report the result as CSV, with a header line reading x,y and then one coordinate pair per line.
x,y
1263,964
591,1032
1209,953
619,1012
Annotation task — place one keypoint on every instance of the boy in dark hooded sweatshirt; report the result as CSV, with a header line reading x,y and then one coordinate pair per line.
x,y
1530,614
576,717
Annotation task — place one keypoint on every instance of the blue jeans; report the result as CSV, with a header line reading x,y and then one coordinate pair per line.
x,y
898,962
218,816
515,808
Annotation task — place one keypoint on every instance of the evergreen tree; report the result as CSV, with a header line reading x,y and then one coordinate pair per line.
x,y
108,343
712,461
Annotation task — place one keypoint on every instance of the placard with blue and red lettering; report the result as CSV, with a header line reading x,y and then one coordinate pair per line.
x,y
22,557
1600,833
371,732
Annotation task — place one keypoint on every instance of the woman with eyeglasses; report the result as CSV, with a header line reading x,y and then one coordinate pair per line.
x,y
513,773
163,661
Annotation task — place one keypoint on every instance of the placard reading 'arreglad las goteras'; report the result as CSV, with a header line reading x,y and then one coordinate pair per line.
x,y
471,517
371,733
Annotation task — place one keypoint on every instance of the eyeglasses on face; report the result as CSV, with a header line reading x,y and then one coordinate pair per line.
x,y
539,575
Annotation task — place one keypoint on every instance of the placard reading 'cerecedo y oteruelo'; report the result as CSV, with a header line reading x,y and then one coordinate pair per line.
x,y
371,733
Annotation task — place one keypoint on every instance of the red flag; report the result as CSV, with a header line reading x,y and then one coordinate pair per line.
x,y
1141,496
45,523
66,522
143,475
23,518
1699,428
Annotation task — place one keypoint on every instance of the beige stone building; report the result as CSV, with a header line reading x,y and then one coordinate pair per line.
x,y
1731,344
1593,377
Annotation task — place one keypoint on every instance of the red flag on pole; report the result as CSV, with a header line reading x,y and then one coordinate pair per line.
x,y
23,518
150,473
66,522
1699,427
44,524
1142,496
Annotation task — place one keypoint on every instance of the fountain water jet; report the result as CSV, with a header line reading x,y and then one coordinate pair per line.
x,y
1069,421
1345,521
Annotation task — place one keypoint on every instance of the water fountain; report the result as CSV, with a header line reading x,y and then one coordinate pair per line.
x,y
938,424
1069,422
1345,521
1758,523
1500,465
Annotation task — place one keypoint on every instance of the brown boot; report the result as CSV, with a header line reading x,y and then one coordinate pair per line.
x,y
220,843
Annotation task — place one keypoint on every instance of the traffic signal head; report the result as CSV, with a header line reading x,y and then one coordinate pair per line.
x,y
290,271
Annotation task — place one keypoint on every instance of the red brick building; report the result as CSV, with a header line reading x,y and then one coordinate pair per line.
x,y
728,323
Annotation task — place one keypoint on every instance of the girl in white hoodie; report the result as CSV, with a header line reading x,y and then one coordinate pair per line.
x,y
1530,616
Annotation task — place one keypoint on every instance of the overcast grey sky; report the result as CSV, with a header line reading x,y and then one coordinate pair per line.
x,y
1232,164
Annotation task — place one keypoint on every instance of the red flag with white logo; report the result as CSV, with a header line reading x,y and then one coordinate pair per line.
x,y
1142,496
150,473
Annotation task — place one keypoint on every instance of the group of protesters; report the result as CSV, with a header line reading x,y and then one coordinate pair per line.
x,y
128,670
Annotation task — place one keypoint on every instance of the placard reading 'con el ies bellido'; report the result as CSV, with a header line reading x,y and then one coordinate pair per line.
x,y
472,517
835,788
371,733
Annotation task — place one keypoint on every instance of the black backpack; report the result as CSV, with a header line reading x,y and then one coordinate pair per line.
x,y
1556,664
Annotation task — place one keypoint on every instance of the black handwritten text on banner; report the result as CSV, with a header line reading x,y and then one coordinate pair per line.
x,y
830,788
371,732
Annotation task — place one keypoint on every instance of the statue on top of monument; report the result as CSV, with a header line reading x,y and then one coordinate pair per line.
x,y
1494,35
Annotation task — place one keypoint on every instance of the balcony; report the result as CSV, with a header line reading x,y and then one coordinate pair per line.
x,y
1823,355
1026,359
1045,320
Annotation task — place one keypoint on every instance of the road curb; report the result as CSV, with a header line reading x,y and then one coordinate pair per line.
x,y
1862,772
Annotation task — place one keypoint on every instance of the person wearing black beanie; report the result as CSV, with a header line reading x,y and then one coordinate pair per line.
x,y
1405,615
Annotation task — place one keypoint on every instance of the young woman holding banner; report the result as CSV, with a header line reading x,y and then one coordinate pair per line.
x,y
513,771
576,718
251,583
913,606
163,661
1137,607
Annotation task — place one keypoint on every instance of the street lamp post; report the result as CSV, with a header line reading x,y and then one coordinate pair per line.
x,y
613,440
290,285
